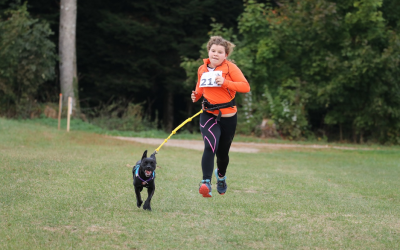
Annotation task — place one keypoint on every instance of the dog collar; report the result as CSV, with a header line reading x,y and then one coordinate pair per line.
x,y
144,182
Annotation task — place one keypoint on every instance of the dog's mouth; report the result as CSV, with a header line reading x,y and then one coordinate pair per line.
x,y
148,173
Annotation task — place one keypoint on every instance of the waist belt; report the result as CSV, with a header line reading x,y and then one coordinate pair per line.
x,y
207,106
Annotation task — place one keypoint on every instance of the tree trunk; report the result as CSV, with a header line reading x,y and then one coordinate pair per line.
x,y
354,135
76,83
169,112
67,50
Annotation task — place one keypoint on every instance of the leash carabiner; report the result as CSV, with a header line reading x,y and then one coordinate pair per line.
x,y
177,128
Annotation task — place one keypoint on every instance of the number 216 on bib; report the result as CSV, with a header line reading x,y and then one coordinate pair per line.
x,y
208,79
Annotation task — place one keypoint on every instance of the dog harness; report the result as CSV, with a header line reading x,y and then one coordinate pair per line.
x,y
144,182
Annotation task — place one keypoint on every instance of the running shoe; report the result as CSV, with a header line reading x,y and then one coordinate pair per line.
x,y
221,183
205,188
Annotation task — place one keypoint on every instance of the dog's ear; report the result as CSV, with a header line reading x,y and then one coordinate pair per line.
x,y
144,154
153,156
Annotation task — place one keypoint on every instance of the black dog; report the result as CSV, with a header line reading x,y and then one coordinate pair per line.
x,y
143,176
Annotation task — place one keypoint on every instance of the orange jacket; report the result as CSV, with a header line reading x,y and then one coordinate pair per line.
x,y
234,82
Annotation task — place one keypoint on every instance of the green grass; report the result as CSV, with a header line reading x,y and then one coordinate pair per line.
x,y
74,190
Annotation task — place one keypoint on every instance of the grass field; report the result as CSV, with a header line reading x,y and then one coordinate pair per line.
x,y
74,191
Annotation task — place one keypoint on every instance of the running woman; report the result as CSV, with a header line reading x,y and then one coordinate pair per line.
x,y
218,81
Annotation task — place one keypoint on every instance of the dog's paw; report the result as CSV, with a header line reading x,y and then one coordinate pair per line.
x,y
139,204
146,206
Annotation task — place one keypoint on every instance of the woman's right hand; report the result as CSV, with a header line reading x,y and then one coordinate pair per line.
x,y
193,96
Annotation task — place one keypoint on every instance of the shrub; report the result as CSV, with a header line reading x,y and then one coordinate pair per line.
x,y
27,60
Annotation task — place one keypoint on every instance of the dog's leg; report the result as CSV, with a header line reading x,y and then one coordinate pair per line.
x,y
150,192
138,196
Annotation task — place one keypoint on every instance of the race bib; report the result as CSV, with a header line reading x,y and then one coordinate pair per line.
x,y
208,79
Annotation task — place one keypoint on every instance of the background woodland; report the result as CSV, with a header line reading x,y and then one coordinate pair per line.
x,y
317,68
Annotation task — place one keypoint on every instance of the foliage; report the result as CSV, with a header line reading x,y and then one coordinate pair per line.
x,y
27,59
134,49
285,109
334,65
336,59
120,115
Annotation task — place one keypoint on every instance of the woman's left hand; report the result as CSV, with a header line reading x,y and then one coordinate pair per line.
x,y
219,80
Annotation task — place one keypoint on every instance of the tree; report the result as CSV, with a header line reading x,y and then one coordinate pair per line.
x,y
67,51
133,50
27,60
331,64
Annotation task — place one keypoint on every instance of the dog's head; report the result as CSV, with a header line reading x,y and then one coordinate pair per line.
x,y
148,165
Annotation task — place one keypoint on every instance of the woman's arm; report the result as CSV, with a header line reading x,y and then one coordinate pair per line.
x,y
198,93
238,82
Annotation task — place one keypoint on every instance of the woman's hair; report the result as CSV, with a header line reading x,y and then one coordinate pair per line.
x,y
218,40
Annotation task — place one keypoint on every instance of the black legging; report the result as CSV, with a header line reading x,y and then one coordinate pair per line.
x,y
217,138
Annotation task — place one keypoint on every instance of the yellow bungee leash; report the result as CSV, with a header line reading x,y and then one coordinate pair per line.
x,y
177,128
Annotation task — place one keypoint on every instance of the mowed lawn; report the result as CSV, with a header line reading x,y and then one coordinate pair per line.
x,y
74,190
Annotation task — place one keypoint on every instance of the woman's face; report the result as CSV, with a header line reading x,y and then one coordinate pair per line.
x,y
217,55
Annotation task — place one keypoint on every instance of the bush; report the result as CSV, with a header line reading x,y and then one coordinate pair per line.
x,y
121,115
27,60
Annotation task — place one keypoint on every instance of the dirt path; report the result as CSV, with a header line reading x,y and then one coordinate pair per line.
x,y
246,147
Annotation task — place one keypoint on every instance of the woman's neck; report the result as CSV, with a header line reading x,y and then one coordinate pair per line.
x,y
214,66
